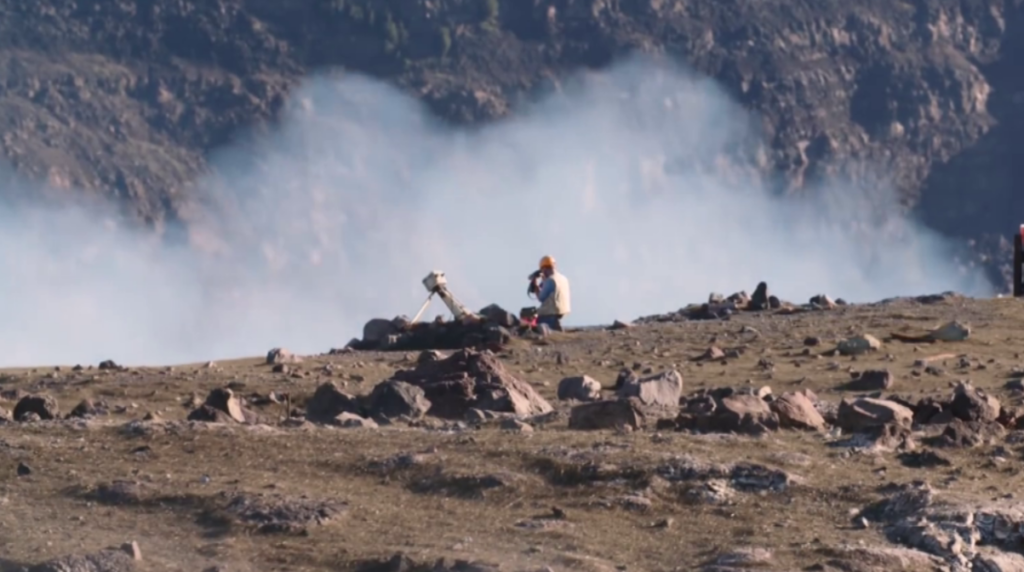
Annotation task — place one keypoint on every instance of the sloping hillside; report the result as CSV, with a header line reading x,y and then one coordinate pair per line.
x,y
126,97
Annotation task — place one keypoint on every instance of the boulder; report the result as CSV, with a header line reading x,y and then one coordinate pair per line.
x,y
281,356
223,399
378,329
392,399
662,389
972,404
743,414
472,379
328,402
760,300
579,388
45,406
500,316
797,411
858,345
868,414
607,414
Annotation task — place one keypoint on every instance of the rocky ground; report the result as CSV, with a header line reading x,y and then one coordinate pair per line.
x,y
818,437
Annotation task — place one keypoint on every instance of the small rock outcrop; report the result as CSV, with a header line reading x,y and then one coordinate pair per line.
x,y
471,379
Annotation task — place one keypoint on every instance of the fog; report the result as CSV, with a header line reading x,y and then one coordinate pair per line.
x,y
640,181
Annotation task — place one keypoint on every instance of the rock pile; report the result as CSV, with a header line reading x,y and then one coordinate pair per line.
x,y
720,307
495,329
967,418
446,387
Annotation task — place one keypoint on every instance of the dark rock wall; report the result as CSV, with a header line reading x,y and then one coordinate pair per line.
x,y
126,97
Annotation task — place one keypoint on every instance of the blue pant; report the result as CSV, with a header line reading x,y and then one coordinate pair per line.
x,y
551,321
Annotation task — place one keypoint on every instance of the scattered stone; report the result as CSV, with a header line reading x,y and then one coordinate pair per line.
x,y
23,470
579,388
812,341
620,325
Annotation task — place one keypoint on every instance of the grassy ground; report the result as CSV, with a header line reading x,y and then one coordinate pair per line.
x,y
489,494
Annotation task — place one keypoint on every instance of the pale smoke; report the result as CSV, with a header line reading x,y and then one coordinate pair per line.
x,y
635,180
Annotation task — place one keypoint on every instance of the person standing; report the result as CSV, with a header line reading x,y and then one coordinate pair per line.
x,y
553,294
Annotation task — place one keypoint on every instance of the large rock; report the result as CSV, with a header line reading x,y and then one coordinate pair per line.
x,y
470,379
420,336
797,411
328,402
579,388
221,405
391,399
378,329
281,356
607,414
972,404
858,345
869,414
662,389
45,406
743,414
871,380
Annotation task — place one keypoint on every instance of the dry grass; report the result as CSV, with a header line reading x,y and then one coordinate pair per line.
x,y
487,494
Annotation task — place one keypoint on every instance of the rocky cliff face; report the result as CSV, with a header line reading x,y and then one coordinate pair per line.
x,y
126,97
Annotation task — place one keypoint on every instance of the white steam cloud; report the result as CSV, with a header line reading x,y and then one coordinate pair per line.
x,y
630,178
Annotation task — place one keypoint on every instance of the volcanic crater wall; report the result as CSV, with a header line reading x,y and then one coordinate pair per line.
x,y
127,98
